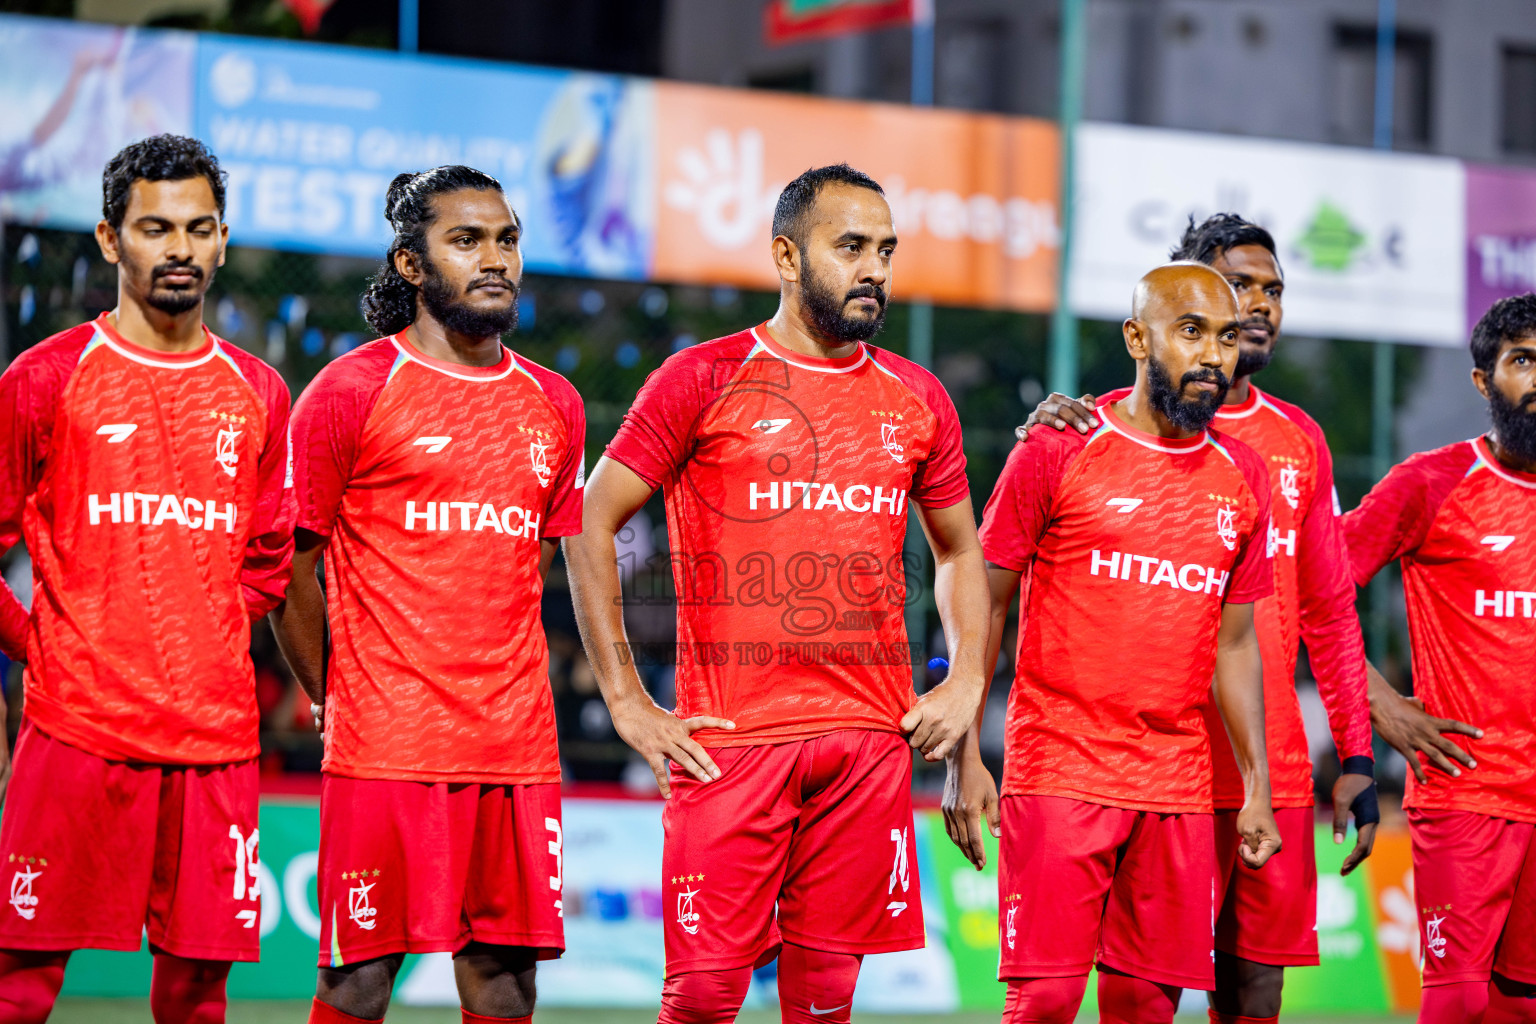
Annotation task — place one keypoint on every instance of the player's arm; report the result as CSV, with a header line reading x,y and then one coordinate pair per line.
x,y
1061,412
942,716
614,493
970,792
268,562
299,622
1392,521
1239,695
1330,628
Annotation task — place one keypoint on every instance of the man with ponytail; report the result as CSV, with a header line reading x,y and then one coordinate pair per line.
x,y
435,472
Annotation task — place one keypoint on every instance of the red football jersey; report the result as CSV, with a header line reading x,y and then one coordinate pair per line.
x,y
152,491
1464,527
1130,545
1314,600
434,483
787,479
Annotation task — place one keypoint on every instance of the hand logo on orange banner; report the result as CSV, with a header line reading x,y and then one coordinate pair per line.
x,y
974,197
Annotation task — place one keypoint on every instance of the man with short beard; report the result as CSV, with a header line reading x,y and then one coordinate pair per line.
x,y
1462,521
1268,919
435,471
788,454
1140,550
144,461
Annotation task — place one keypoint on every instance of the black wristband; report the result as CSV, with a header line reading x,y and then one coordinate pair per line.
x,y
1359,764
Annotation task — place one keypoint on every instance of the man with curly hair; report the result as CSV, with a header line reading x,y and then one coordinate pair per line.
x,y
144,460
436,471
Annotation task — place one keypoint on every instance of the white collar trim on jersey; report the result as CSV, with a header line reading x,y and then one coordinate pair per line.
x,y
780,354
1112,422
406,353
164,364
1480,443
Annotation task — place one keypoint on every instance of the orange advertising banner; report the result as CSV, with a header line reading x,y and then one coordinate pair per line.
x,y
974,196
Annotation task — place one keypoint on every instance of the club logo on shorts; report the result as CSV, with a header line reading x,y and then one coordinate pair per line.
x,y
687,917
1226,526
1433,940
1013,932
22,898
1290,488
363,913
899,872
224,452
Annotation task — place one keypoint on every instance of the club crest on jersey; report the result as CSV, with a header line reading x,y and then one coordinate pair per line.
x,y
23,899
1290,489
890,436
1226,526
224,451
538,454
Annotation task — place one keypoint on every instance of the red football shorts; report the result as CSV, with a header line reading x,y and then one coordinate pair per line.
x,y
1269,916
1079,883
99,852
820,829
426,867
1474,880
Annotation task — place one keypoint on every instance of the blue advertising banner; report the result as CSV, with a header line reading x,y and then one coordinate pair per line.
x,y
312,136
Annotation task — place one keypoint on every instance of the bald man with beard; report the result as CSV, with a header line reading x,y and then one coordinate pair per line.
x,y
1140,550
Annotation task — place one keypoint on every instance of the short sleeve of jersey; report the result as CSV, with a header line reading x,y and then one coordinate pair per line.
x,y
29,394
562,515
657,434
1395,517
940,482
328,422
1253,576
1019,509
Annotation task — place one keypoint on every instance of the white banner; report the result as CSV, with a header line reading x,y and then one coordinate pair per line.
x,y
1372,244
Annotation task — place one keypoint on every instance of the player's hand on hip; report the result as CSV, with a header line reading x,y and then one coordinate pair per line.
x,y
970,797
1061,411
942,716
1411,731
1355,794
1260,835
658,735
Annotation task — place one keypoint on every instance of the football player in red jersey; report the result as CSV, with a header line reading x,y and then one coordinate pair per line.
x,y
1268,918
145,463
1142,544
787,454
1462,521
435,470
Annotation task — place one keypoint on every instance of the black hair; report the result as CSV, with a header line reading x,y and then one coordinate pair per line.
x,y
1506,320
157,158
389,304
1216,234
799,197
